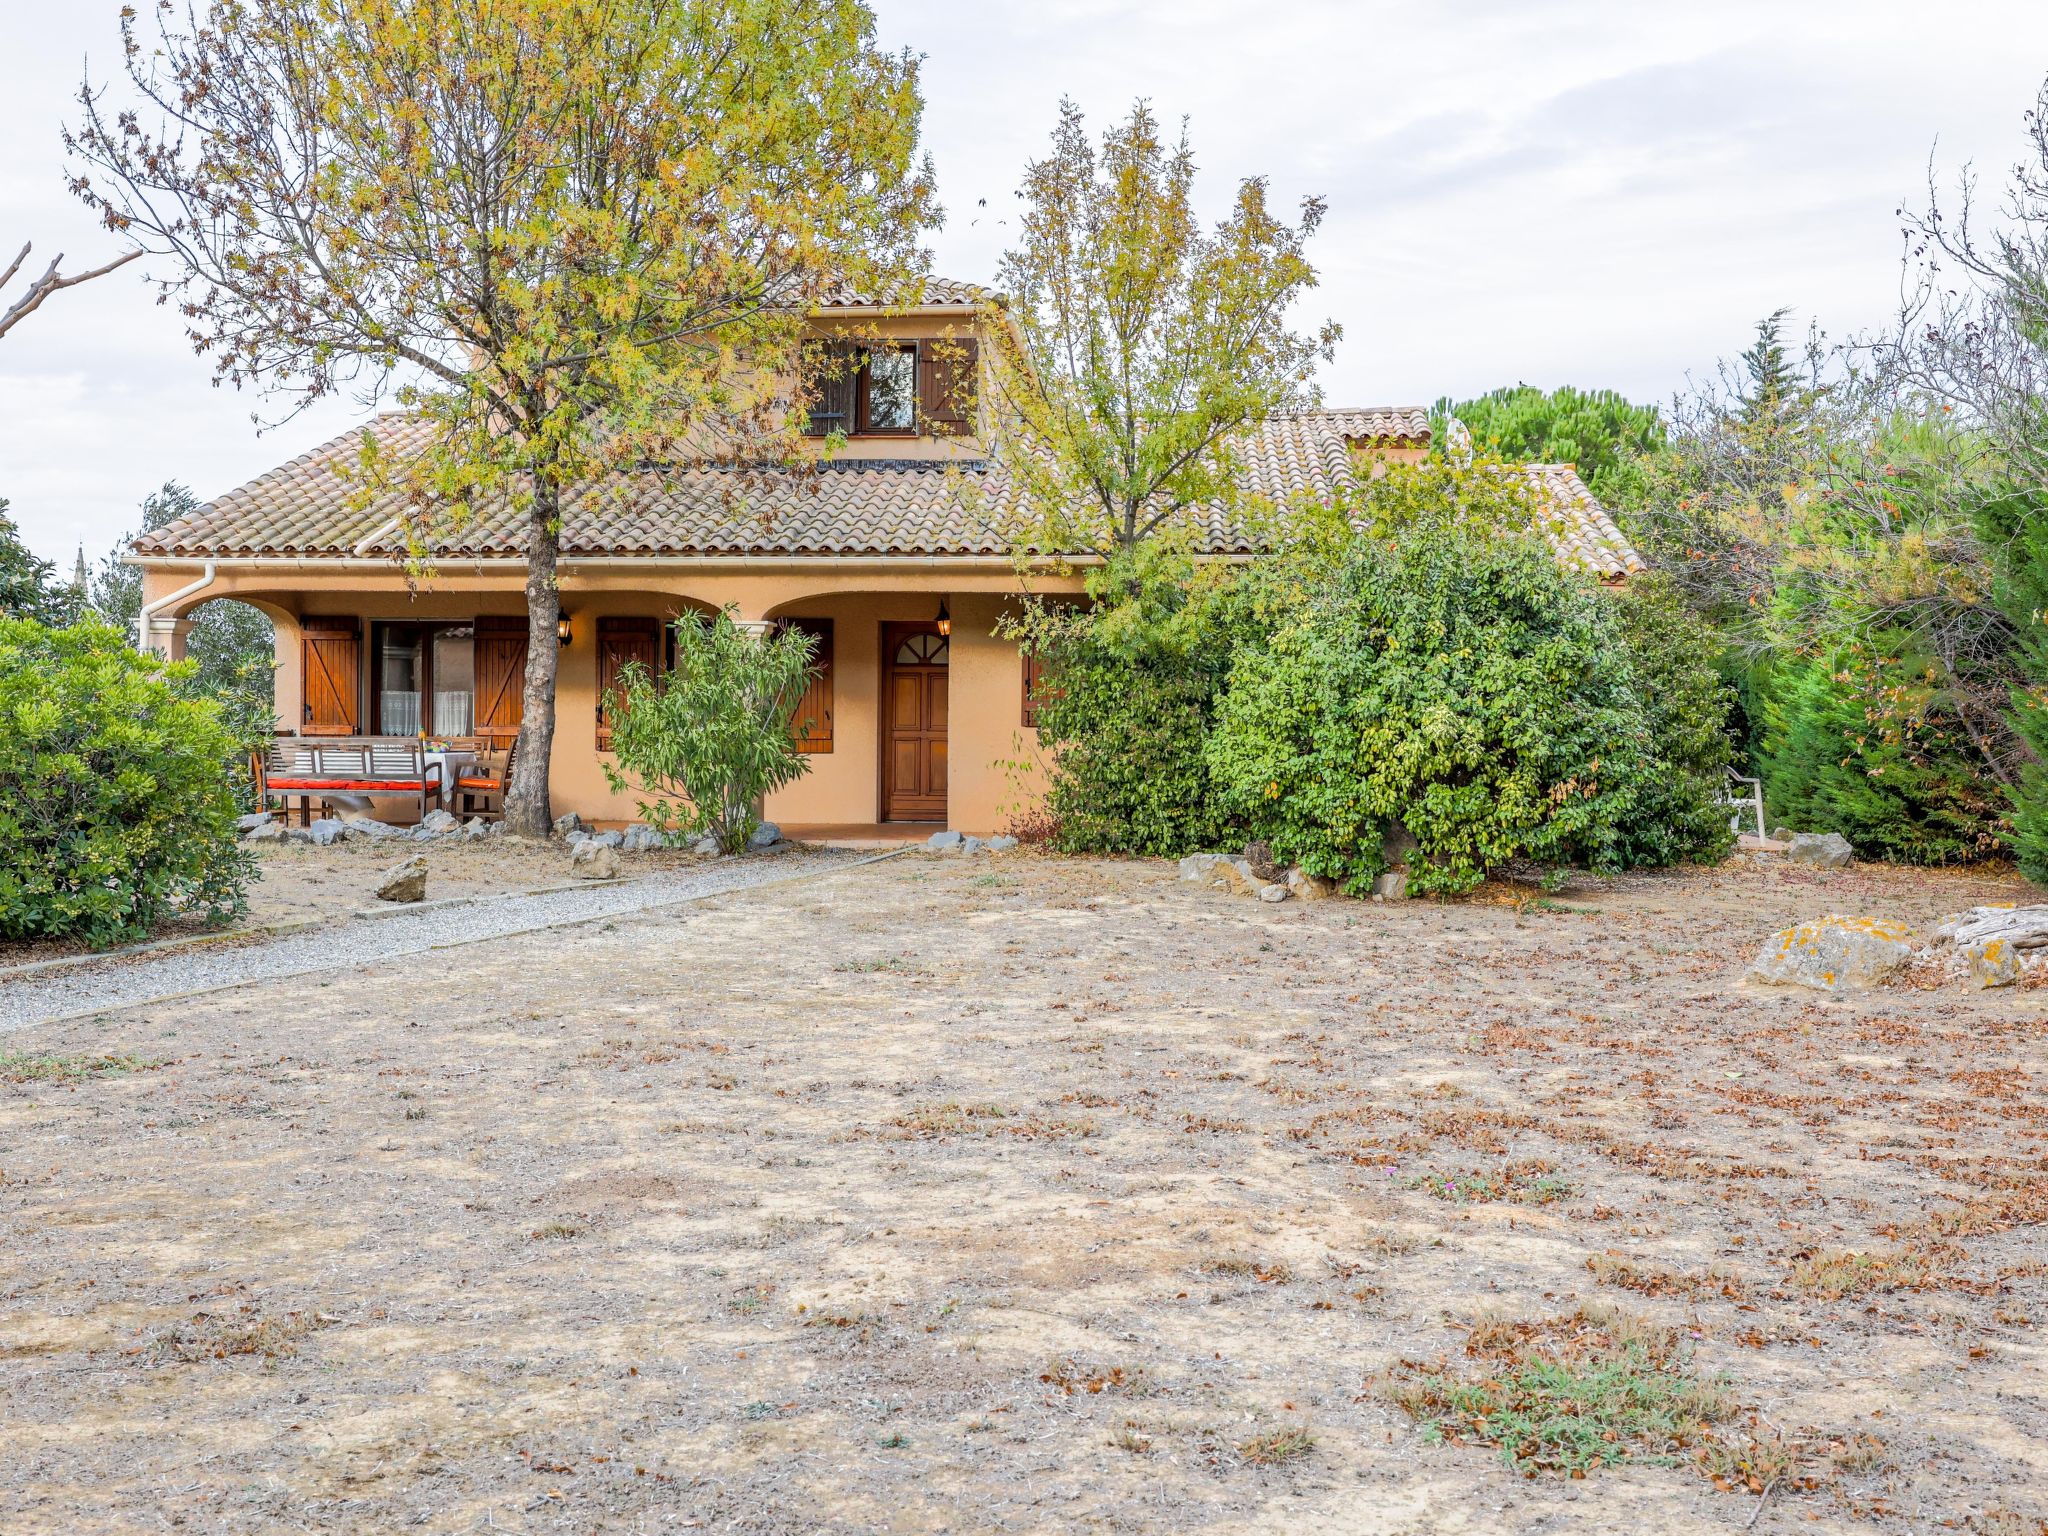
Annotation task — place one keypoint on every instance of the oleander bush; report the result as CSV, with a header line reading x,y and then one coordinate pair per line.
x,y
118,789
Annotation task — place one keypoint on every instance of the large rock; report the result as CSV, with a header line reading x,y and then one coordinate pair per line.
x,y
1391,886
1221,872
640,838
1993,962
247,824
436,823
1834,952
1002,843
357,826
945,842
766,835
1304,886
476,829
1823,850
609,839
405,882
564,825
594,860
266,831
1259,854
707,843
325,832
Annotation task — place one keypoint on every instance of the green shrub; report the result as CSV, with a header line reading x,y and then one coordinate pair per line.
x,y
1863,742
1454,679
711,737
1128,692
1688,702
2012,524
117,789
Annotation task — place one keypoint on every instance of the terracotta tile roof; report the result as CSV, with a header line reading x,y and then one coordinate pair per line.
x,y
935,293
1579,528
850,507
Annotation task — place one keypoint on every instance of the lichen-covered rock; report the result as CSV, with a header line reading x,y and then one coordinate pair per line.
x,y
1834,952
1822,850
640,838
247,824
564,825
594,860
1273,892
266,831
1391,886
325,832
948,841
405,882
1993,962
1002,843
436,823
766,835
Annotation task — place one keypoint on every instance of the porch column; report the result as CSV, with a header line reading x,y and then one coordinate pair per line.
x,y
166,636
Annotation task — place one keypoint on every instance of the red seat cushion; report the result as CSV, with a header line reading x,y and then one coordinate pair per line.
x,y
490,785
372,786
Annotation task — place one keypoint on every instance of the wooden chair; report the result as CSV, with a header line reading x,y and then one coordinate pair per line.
x,y
484,781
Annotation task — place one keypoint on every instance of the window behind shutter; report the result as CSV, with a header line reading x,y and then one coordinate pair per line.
x,y
835,369
946,374
620,641
810,723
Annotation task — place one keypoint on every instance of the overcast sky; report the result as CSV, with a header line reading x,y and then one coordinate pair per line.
x,y
1558,191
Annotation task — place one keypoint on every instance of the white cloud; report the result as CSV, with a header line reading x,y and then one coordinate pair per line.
x,y
1599,192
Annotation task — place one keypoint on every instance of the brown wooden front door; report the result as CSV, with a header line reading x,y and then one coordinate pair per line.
x,y
914,708
333,679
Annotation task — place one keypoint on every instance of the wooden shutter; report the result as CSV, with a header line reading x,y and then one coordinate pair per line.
x,y
835,370
811,721
946,375
332,652
500,681
1034,678
620,641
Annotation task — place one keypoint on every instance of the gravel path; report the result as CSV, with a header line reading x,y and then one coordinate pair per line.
x,y
352,941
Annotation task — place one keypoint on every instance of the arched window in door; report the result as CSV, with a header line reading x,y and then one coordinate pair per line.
x,y
922,650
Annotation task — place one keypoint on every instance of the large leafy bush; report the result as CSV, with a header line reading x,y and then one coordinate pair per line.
x,y
1688,702
708,739
118,789
1128,694
1452,678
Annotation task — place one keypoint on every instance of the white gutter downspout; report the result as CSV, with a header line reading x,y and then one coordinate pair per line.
x,y
149,610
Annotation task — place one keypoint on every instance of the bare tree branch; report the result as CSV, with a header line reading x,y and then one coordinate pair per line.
x,y
49,283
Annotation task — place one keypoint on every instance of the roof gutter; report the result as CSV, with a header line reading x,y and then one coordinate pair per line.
x,y
150,610
460,563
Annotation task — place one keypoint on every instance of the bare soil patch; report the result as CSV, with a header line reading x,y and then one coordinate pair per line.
x,y
1030,1195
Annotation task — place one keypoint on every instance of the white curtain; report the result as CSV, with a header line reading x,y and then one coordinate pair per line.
x,y
399,713
451,712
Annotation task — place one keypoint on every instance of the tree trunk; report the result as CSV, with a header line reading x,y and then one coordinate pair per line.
x,y
527,810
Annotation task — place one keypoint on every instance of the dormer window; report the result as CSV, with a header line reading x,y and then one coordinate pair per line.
x,y
893,389
886,391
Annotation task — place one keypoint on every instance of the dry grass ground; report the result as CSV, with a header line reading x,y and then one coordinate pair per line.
x,y
1019,1195
299,881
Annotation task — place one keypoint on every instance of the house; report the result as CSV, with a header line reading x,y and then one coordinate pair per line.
x,y
922,712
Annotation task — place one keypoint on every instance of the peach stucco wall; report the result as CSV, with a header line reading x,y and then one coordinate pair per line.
x,y
992,758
